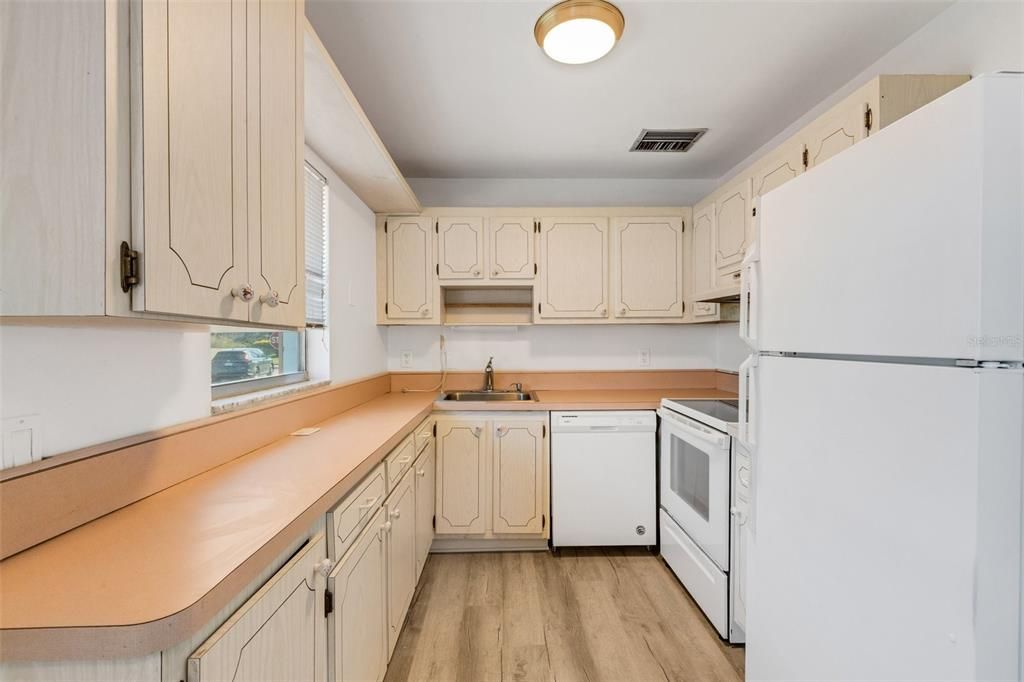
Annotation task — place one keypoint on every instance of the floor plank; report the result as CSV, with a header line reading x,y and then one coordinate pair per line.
x,y
603,615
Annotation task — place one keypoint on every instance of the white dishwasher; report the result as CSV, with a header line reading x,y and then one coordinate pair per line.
x,y
603,478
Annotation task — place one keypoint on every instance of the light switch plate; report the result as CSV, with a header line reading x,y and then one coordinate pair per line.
x,y
22,440
645,357
406,359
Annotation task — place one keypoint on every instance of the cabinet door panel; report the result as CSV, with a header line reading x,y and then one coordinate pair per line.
x,y
461,476
277,635
732,222
460,248
277,234
573,268
837,130
409,268
358,628
425,487
401,558
519,468
190,185
647,267
703,249
510,247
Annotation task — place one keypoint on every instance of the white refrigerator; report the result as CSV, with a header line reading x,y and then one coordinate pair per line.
x,y
883,403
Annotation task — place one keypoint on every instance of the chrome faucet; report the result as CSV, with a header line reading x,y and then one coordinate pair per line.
x,y
489,375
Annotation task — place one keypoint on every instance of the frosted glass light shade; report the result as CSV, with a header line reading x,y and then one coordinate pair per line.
x,y
579,31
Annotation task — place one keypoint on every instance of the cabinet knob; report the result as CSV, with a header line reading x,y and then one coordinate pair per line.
x,y
421,472
495,273
737,275
271,299
426,312
476,273
386,527
323,567
243,292
603,312
397,514
622,312
501,431
476,431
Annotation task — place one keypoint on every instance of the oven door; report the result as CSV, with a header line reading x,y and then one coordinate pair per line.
x,y
695,482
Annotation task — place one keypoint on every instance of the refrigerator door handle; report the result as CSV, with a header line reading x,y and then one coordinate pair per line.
x,y
749,297
747,387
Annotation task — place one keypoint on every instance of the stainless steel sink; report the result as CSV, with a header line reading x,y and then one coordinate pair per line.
x,y
489,396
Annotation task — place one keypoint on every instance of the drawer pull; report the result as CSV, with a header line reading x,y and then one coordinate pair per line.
x,y
421,472
397,514
370,501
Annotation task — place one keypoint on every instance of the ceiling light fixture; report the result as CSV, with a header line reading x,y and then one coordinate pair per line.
x,y
579,31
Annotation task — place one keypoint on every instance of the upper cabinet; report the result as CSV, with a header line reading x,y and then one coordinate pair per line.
x,y
573,268
703,251
191,121
406,259
510,248
732,221
647,267
460,248
467,252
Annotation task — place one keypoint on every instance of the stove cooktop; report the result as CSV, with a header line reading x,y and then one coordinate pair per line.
x,y
715,413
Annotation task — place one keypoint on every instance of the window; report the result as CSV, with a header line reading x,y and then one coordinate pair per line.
x,y
245,360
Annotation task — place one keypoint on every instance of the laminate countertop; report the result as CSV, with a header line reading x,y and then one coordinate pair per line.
x,y
147,576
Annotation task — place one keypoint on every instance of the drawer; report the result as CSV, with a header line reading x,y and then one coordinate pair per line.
x,y
400,460
346,520
424,434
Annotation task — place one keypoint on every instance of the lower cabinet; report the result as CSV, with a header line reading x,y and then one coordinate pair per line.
x,y
357,628
492,476
424,472
401,554
279,634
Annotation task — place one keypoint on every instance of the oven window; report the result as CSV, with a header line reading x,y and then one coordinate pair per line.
x,y
691,475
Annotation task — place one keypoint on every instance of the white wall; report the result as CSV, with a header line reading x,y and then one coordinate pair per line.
x,y
93,381
358,347
730,351
559,191
555,347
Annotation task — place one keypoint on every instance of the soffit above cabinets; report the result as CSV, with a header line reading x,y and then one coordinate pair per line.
x,y
339,131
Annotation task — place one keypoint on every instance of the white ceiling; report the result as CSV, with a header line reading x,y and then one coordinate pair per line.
x,y
461,90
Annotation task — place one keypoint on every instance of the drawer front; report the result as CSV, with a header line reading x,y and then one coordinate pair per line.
x,y
424,434
348,518
400,460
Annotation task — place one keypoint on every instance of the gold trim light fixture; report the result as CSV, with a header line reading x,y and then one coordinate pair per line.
x,y
579,31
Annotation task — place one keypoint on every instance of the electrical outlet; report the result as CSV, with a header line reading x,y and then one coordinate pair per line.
x,y
645,357
406,359
22,440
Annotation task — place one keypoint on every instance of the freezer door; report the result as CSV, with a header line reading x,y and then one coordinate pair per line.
x,y
886,538
907,244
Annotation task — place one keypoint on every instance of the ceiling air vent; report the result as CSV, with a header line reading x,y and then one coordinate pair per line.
x,y
667,140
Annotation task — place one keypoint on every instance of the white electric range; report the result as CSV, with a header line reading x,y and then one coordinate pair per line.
x,y
704,502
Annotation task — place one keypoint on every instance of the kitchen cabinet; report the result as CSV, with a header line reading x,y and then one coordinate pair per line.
x,y
462,448
703,253
492,476
425,497
408,265
573,282
357,628
400,459
347,519
776,169
835,131
510,248
647,267
460,248
218,144
401,554
733,231
277,634
519,477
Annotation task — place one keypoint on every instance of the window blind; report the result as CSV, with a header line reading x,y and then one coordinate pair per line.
x,y
316,248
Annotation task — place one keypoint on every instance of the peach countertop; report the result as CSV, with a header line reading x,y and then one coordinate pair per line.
x,y
149,575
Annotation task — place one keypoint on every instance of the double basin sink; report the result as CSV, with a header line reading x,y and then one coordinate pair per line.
x,y
489,396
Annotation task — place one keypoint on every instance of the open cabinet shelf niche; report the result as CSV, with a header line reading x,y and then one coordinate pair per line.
x,y
487,305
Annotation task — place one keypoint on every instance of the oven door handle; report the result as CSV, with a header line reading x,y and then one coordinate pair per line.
x,y
721,440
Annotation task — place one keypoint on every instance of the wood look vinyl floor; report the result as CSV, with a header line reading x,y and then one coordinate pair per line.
x,y
594,615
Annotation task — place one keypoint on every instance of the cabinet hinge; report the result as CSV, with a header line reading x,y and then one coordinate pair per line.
x,y
543,521
129,267
437,269
869,119
433,522
385,308
543,430
436,224
538,307
535,268
684,225
434,430
805,158
385,227
328,603
753,212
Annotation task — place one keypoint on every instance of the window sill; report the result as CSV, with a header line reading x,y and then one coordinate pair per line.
x,y
240,402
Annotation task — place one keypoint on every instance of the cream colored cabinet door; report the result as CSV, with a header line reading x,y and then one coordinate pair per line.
x,y
518,498
460,248
573,268
837,130
703,249
357,629
462,476
190,175
279,634
401,555
733,231
425,496
510,248
409,267
647,267
775,170
275,122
